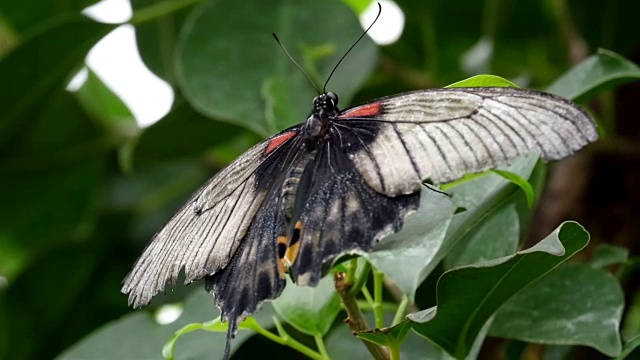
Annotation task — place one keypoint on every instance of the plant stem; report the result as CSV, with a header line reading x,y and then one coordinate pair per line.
x,y
159,10
394,351
351,272
402,309
378,278
355,319
361,280
321,348
368,297
283,338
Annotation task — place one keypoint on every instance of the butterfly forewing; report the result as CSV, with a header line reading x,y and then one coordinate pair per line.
x,y
205,233
442,134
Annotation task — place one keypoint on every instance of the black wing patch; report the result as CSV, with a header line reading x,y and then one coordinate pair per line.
x,y
442,134
252,275
341,214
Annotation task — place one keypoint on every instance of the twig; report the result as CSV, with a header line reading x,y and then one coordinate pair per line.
x,y
355,319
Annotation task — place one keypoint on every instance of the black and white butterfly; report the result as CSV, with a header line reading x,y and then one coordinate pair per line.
x,y
340,182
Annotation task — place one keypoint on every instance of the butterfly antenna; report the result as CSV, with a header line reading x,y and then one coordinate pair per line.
x,y
294,61
324,88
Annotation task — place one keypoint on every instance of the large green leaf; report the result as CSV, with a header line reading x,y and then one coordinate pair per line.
x,y
157,38
573,305
602,71
468,296
481,197
139,336
40,66
54,174
25,15
223,63
497,237
416,245
106,107
310,310
182,133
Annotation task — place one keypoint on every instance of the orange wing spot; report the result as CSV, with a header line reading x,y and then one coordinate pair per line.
x,y
292,251
282,251
363,111
279,140
288,250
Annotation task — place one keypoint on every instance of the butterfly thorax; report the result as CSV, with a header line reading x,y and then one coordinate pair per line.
x,y
325,108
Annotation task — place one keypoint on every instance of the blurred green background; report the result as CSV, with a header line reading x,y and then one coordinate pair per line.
x,y
83,186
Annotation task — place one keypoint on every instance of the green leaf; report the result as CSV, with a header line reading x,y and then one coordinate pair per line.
x,y
573,305
602,71
182,133
521,182
483,81
139,336
608,254
468,296
358,6
25,15
392,336
243,56
157,37
106,107
417,243
310,310
481,197
215,325
498,236
630,349
279,109
32,78
342,344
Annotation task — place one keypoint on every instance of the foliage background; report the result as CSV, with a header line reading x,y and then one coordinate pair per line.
x,y
83,188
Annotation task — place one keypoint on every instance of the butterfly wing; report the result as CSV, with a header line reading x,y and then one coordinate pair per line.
x,y
442,134
340,213
207,231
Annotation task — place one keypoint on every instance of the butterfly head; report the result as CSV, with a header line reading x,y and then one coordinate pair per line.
x,y
325,107
326,104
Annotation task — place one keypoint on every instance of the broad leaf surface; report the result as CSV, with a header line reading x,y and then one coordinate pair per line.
x,y
64,47
223,76
599,72
405,255
573,305
310,310
182,133
139,336
468,296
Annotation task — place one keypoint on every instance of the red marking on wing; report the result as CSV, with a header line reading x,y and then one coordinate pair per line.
x,y
279,140
363,111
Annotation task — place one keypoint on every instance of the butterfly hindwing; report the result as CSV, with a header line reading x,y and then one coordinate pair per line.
x,y
207,231
442,134
341,213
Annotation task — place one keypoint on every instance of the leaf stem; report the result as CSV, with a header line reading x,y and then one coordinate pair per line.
x,y
378,278
355,319
283,338
402,309
394,351
159,10
351,272
321,348
361,280
368,297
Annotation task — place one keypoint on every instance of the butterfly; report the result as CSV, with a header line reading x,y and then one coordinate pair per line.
x,y
340,182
